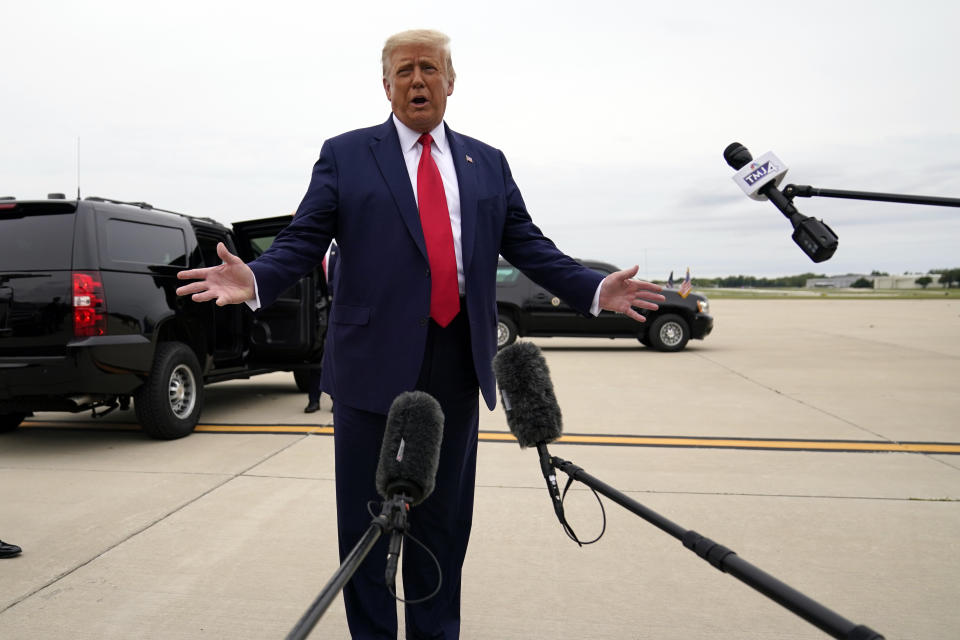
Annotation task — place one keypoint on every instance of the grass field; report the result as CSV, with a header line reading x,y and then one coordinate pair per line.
x,y
930,293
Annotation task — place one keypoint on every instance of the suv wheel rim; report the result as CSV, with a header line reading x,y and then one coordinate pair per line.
x,y
671,334
502,334
183,391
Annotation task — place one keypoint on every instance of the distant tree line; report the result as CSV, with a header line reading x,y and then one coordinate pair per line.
x,y
760,283
948,278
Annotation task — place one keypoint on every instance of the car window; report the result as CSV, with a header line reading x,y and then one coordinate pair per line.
x,y
507,274
261,244
35,240
208,249
142,243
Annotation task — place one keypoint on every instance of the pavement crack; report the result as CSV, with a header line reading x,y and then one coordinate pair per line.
x,y
150,525
735,494
796,400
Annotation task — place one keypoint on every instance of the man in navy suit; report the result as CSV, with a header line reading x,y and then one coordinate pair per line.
x,y
388,333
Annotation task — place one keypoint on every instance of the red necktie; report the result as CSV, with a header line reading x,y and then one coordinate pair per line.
x,y
435,220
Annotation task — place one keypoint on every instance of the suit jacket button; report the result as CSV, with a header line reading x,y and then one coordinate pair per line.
x,y
423,322
427,273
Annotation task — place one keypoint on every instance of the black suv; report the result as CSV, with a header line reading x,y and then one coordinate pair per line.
x,y
527,309
89,317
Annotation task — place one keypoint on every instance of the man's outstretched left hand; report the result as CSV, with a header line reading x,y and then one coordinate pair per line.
x,y
622,293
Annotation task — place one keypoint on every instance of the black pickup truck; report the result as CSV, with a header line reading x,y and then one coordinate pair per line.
x,y
527,309
89,317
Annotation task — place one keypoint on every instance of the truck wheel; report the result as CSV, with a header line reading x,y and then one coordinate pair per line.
x,y
168,402
10,421
506,332
669,332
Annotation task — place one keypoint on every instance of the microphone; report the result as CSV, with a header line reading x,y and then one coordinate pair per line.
x,y
409,456
759,180
533,414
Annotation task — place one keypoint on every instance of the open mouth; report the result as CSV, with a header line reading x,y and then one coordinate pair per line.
x,y
419,101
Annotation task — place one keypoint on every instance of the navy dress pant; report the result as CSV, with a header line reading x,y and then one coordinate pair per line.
x,y
442,522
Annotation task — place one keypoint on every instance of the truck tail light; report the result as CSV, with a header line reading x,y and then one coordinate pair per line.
x,y
89,305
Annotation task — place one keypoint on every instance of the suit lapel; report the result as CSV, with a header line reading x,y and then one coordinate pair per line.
x,y
467,179
386,150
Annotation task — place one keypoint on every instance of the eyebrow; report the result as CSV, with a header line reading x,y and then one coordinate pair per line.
x,y
409,62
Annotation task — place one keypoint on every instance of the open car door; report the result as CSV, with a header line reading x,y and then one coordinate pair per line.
x,y
291,330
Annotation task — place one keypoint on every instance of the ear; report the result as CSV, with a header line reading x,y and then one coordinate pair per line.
x,y
386,88
450,88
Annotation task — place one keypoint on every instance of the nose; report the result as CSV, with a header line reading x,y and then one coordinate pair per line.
x,y
418,77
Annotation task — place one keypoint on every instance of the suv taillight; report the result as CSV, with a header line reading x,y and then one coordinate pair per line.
x,y
89,305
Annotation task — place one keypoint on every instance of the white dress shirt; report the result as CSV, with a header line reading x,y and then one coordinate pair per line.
x,y
443,156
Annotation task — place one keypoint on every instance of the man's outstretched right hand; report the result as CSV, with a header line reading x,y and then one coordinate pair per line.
x,y
229,283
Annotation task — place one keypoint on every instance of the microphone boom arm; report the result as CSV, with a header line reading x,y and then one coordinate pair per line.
x,y
792,191
728,561
383,523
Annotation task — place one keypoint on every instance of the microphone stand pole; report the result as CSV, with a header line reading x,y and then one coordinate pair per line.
x,y
729,562
792,191
383,523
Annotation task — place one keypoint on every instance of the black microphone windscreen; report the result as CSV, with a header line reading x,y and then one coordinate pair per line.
x,y
410,452
737,155
533,414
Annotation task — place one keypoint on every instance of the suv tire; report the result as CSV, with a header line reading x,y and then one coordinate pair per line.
x,y
168,402
669,332
10,421
506,332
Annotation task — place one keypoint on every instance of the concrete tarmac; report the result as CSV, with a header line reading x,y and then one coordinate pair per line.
x,y
232,535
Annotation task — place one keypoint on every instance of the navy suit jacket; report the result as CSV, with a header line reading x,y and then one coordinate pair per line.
x,y
360,194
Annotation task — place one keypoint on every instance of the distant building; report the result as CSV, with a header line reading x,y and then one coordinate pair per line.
x,y
835,282
879,282
904,282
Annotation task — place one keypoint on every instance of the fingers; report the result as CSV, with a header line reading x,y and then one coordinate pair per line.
x,y
193,287
226,256
641,290
193,274
643,304
648,286
649,295
198,274
205,296
198,292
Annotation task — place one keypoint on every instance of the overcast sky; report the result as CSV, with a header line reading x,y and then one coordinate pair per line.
x,y
613,115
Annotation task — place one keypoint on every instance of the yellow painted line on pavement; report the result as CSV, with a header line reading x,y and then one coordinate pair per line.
x,y
206,428
765,443
262,428
873,446
745,443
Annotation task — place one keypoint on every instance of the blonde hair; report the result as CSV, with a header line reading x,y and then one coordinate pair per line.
x,y
427,37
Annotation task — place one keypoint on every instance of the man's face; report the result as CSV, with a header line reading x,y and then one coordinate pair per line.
x,y
417,86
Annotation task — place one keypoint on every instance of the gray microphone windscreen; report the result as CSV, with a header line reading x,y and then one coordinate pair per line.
x,y
410,452
526,390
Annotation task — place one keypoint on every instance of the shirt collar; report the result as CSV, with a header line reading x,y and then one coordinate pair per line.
x,y
409,137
